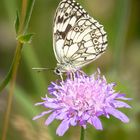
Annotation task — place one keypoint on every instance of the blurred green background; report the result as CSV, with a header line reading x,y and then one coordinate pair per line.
x,y
120,64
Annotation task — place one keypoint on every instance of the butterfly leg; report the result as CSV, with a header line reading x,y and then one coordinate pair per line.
x,y
61,77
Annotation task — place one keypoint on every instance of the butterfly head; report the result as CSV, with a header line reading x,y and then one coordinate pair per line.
x,y
60,68
64,67
57,71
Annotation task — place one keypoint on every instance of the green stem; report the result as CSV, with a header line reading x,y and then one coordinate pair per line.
x,y
30,7
11,90
14,67
26,11
82,137
15,59
7,78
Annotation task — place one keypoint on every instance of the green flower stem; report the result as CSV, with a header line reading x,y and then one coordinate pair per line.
x,y
26,11
18,49
7,78
82,137
27,7
11,90
16,61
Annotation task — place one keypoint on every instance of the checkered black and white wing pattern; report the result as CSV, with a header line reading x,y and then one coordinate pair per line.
x,y
78,38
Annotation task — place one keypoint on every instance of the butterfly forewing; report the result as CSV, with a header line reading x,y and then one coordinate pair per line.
x,y
67,14
78,38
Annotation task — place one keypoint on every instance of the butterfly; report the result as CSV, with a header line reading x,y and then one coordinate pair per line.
x,y
78,39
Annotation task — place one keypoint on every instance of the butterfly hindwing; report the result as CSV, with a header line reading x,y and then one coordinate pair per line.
x,y
85,42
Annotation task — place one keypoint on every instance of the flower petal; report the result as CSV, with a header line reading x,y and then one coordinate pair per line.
x,y
40,103
73,121
62,128
124,98
42,114
62,115
95,121
118,114
50,118
51,105
120,104
113,96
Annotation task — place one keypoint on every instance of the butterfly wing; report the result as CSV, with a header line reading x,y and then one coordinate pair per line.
x,y
85,42
78,38
66,16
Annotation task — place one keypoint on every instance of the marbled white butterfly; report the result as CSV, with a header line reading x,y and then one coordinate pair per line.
x,y
78,39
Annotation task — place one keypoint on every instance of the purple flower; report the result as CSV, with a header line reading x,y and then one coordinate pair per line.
x,y
82,99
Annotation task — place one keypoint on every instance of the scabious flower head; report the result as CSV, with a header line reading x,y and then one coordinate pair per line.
x,y
82,99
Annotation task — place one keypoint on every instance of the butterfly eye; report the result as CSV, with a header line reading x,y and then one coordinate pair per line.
x,y
76,29
57,71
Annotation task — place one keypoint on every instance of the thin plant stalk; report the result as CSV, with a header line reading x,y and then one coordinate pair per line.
x,y
14,67
11,92
82,137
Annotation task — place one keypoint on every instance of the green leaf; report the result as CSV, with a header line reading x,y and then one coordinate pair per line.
x,y
17,22
27,38
28,14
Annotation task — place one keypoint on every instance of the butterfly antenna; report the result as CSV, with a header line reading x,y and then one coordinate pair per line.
x,y
41,69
